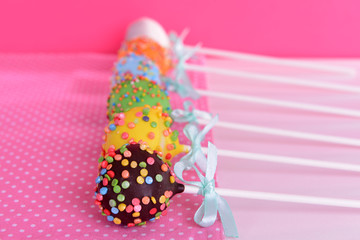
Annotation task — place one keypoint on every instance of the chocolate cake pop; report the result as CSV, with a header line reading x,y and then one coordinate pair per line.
x,y
134,185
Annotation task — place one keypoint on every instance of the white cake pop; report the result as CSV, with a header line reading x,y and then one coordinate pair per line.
x,y
147,27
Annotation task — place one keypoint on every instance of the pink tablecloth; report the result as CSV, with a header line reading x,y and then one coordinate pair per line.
x,y
52,118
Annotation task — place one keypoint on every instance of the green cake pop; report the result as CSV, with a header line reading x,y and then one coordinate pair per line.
x,y
136,92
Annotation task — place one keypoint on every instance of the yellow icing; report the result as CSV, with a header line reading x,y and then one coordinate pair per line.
x,y
134,126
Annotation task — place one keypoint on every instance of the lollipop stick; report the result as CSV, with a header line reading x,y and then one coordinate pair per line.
x,y
276,61
274,78
279,103
285,160
268,196
286,133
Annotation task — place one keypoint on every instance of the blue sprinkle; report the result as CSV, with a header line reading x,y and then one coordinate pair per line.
x,y
168,108
152,219
103,191
137,99
103,171
95,194
114,210
114,104
110,218
149,180
98,180
125,95
112,127
145,118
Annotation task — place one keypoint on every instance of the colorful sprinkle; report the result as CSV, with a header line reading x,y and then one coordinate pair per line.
x,y
127,154
145,200
125,162
172,179
103,191
125,185
121,207
142,164
162,199
109,159
164,168
120,197
150,160
153,211
125,174
137,208
151,135
159,178
111,174
117,221
114,182
133,164
129,209
146,111
114,210
149,180
143,172
140,180
124,135
153,124
118,157
135,201
112,127
116,189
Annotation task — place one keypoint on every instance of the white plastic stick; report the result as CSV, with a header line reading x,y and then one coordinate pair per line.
x,y
268,196
286,133
274,78
281,103
288,160
285,160
272,60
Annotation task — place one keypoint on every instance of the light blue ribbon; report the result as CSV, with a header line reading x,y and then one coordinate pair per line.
x,y
206,215
196,136
181,83
189,114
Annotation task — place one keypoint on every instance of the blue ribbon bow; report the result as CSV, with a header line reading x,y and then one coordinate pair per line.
x,y
189,114
196,136
206,215
181,83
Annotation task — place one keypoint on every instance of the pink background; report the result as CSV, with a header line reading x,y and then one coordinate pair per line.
x,y
297,28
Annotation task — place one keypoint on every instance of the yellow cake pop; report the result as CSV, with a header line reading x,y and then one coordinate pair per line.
x,y
147,124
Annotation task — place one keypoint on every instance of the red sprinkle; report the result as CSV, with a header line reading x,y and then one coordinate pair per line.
x,y
107,212
105,181
124,135
168,156
104,164
99,197
111,174
153,211
129,208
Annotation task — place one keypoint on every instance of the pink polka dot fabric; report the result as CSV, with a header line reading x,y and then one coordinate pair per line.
x,y
53,112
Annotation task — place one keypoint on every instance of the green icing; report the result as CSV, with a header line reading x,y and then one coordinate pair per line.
x,y
125,90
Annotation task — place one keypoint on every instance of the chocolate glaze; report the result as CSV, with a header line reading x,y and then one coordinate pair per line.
x,y
162,187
